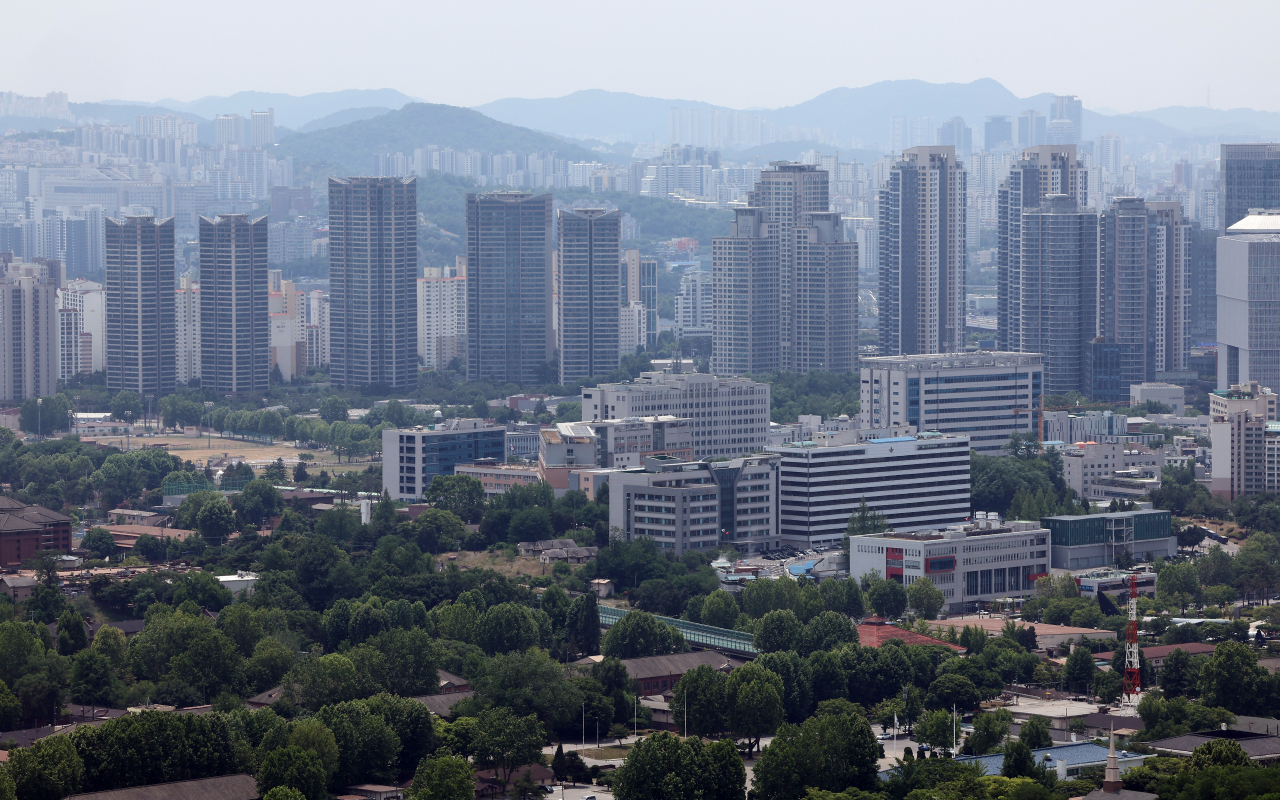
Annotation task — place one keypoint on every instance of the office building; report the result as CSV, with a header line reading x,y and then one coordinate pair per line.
x,y
1248,316
1069,109
997,134
235,335
956,133
686,506
730,415
922,254
590,293
1094,540
957,559
1144,297
1038,173
1250,179
187,328
915,482
747,271
509,286
373,260
140,317
825,287
1054,289
29,337
1168,394
1099,426
262,128
1242,420
411,457
985,395
442,315
633,330
1031,128
640,284
1104,471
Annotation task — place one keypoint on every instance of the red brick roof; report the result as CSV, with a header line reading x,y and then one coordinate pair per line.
x,y
875,631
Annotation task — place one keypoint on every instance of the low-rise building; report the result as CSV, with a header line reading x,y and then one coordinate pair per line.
x,y
698,505
26,531
411,457
1093,540
240,583
1168,394
565,447
1067,760
497,478
915,482
970,564
1091,470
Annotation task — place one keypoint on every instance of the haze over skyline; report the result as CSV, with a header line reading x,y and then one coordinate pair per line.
x,y
754,57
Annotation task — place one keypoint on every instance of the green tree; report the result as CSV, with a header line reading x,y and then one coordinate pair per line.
x,y
293,768
753,700
126,405
71,633
1180,675
1219,753
938,729
925,598
284,792
100,542
506,627
1079,670
1035,732
216,521
658,767
702,691
93,682
49,769
888,598
333,409
321,680
778,631
639,634
1231,678
461,494
953,690
1018,761
368,748
720,610
258,501
990,729
312,734
829,752
582,628
866,521
443,777
507,741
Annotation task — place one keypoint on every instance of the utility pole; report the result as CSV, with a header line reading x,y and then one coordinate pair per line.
x,y
39,423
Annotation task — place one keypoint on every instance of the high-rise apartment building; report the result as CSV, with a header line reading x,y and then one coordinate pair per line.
x,y
29,337
70,333
825,287
922,253
590,247
785,193
1057,289
1031,128
140,334
730,415
1144,300
442,315
373,258
695,306
984,395
262,128
228,129
187,328
1040,172
235,335
1250,179
1248,316
747,274
509,286
640,283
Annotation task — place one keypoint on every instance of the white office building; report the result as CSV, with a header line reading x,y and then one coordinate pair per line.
x,y
730,416
985,395
971,564
915,482
687,506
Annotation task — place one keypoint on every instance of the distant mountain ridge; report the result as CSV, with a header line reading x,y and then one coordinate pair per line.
x,y
349,149
291,111
864,113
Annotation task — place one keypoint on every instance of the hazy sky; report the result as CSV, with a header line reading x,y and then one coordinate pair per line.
x,y
1129,56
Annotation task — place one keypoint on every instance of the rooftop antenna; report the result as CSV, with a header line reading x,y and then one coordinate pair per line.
x,y
1131,688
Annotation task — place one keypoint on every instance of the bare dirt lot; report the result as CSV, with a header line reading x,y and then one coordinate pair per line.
x,y
257,454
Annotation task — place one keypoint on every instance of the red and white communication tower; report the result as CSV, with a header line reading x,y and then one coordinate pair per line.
x,y
1132,686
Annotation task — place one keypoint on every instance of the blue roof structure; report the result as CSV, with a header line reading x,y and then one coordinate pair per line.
x,y
802,569
893,439
1076,754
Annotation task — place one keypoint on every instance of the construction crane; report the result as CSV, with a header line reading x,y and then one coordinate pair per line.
x,y
1132,686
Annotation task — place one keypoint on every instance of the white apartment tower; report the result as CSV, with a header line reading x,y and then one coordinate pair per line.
x,y
442,315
